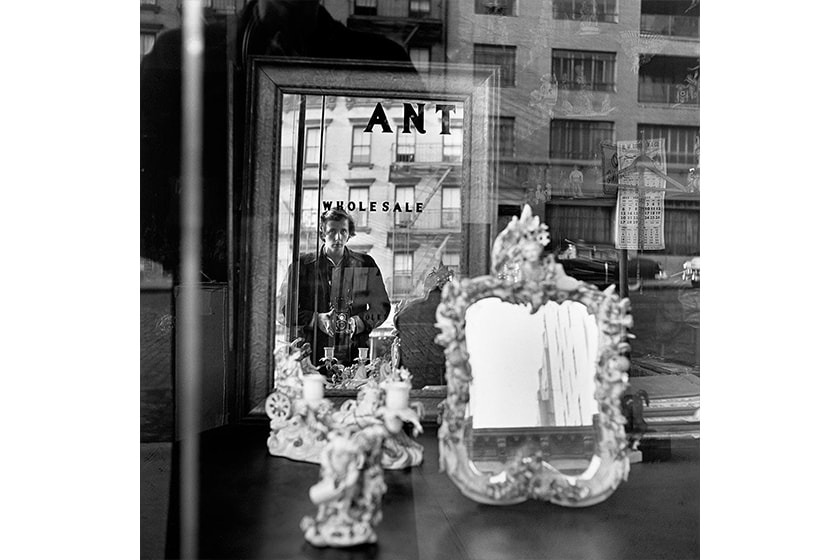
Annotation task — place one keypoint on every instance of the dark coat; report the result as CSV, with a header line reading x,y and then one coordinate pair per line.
x,y
355,285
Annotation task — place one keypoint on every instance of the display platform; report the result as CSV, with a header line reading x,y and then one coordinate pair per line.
x,y
251,505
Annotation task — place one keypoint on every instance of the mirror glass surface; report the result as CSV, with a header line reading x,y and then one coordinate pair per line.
x,y
403,191
533,385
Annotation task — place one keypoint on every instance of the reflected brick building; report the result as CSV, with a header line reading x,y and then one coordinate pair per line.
x,y
575,73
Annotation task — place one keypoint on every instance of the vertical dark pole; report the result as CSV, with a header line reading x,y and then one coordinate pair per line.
x,y
623,289
321,132
292,298
188,353
231,25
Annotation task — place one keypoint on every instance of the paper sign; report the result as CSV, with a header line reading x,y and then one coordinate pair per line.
x,y
640,205
627,220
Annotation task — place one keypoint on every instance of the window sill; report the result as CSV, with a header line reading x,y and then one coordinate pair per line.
x,y
495,15
612,89
659,105
596,22
685,38
353,165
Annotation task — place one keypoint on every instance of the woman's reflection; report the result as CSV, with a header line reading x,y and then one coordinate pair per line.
x,y
341,295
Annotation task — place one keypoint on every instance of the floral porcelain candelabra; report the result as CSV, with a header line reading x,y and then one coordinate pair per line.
x,y
301,417
385,398
299,413
349,494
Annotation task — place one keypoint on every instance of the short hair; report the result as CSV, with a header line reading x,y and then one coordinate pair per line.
x,y
335,214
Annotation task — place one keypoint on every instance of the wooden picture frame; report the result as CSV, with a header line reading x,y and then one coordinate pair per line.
x,y
269,79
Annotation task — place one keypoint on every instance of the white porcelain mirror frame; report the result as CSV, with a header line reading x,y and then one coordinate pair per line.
x,y
535,283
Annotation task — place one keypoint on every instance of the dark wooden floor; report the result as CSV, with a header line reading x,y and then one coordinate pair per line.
x,y
252,503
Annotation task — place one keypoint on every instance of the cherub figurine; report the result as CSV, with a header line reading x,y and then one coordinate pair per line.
x,y
349,494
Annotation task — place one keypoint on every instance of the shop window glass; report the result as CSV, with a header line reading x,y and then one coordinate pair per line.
x,y
562,110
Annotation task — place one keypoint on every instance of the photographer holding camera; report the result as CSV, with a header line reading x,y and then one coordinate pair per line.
x,y
341,295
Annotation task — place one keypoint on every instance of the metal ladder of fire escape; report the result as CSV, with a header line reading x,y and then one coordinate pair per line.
x,y
439,240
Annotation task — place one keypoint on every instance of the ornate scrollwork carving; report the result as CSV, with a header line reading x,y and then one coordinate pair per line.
x,y
535,283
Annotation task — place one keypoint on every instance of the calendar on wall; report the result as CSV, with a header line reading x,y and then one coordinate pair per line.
x,y
640,205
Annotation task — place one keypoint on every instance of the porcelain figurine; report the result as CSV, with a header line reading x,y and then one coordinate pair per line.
x,y
349,494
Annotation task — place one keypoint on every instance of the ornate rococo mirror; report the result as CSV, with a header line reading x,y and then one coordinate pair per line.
x,y
535,367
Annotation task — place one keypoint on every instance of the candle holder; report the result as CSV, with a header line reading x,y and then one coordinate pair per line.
x,y
372,406
298,412
349,492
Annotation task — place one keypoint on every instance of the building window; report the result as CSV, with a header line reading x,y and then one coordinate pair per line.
x,y
405,197
420,57
453,144
498,55
504,135
450,207
309,209
365,8
670,79
360,152
673,18
682,143
495,7
583,69
586,10
452,261
403,271
572,139
419,8
313,146
147,41
406,147
360,197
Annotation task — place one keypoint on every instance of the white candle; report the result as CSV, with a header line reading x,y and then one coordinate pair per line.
x,y
396,395
313,387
